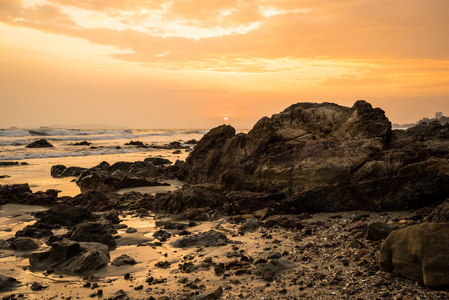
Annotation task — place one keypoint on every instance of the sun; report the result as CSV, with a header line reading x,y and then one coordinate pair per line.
x,y
225,119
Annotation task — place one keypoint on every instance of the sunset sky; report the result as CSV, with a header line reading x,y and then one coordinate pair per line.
x,y
191,63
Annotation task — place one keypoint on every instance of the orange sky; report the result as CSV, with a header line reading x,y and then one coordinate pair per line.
x,y
190,63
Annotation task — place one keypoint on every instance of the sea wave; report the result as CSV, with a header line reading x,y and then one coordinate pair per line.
x,y
59,132
34,155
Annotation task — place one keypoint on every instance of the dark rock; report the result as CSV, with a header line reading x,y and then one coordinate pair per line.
x,y
209,238
129,182
379,231
272,267
329,158
24,243
135,143
64,215
130,230
22,194
7,283
8,163
297,149
192,142
418,252
211,294
162,235
440,214
92,232
39,144
59,171
35,231
123,260
357,225
4,245
88,260
177,152
83,143
158,161
175,145
189,197
93,200
244,202
285,221
37,286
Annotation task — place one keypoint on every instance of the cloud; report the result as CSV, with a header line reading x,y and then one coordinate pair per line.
x,y
306,29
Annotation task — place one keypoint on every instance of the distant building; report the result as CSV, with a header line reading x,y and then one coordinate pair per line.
x,y
438,115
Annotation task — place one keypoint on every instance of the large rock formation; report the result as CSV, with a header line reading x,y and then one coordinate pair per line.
x,y
328,157
307,145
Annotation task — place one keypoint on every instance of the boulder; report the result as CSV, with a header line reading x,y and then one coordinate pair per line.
x,y
403,192
24,243
162,235
123,260
208,238
418,252
64,215
211,294
59,171
88,260
378,231
39,144
83,143
92,232
94,200
268,270
158,161
7,283
14,193
36,231
72,257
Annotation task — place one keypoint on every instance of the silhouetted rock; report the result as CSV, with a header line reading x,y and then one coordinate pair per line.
x,y
59,171
39,144
7,283
208,238
328,158
158,161
92,232
123,260
24,243
83,143
64,215
22,194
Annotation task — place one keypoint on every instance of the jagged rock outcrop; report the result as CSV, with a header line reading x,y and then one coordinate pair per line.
x,y
307,145
59,171
71,257
21,193
110,178
64,215
327,157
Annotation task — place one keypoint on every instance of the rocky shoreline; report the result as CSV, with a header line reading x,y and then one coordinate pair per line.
x,y
317,201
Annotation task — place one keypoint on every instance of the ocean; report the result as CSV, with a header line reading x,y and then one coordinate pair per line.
x,y
106,145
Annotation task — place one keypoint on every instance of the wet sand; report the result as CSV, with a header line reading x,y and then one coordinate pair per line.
x,y
325,262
